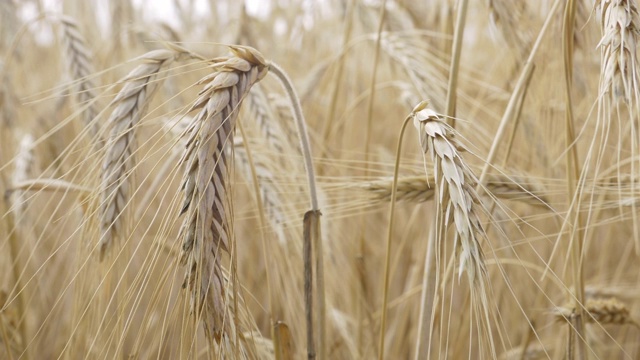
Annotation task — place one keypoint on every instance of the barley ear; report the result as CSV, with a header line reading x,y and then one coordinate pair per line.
x,y
620,28
610,311
205,230
130,105
79,62
455,184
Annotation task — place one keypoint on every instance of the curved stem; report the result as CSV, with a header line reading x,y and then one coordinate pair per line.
x,y
385,294
313,215
301,125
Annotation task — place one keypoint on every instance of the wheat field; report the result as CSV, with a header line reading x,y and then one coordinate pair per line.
x,y
335,179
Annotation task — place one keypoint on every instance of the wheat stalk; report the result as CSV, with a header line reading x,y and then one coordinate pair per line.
x,y
205,228
130,104
620,27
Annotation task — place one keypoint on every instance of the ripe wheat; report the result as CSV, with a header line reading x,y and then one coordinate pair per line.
x,y
205,231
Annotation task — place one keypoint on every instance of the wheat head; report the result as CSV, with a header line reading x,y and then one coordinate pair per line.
x,y
130,105
205,228
419,189
601,311
620,27
79,62
454,180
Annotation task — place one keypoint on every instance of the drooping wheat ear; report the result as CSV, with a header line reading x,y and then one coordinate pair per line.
x,y
620,27
130,104
205,228
601,311
455,183
419,189
79,62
